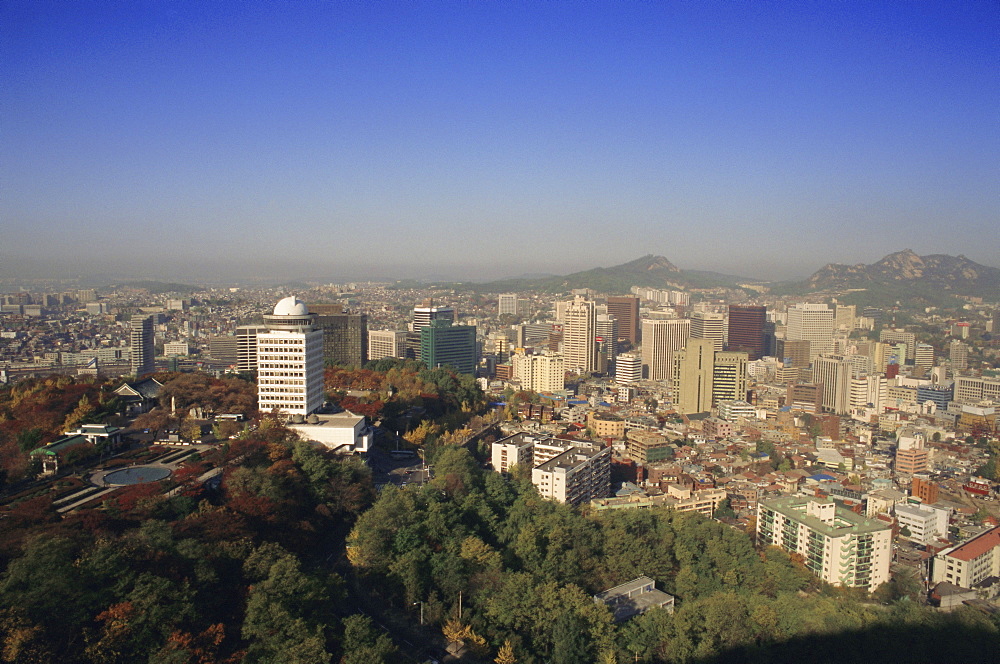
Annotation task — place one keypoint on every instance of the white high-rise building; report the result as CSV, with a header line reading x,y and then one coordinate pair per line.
x,y
425,313
628,368
812,323
579,336
509,303
660,339
141,339
540,373
705,325
958,354
290,360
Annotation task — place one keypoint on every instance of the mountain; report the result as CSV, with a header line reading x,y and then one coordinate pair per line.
x,y
955,274
650,271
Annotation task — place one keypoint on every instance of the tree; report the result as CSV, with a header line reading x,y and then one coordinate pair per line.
x,y
363,644
506,654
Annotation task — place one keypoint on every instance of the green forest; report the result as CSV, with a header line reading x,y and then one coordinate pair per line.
x,y
296,557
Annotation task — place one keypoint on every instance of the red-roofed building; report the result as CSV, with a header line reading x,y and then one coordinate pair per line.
x,y
968,564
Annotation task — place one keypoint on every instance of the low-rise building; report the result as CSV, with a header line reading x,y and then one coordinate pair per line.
x,y
344,433
970,563
635,597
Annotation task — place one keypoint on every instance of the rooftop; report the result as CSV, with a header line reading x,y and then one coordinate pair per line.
x,y
976,546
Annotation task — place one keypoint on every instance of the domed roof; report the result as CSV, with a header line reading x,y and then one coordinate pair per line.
x,y
291,306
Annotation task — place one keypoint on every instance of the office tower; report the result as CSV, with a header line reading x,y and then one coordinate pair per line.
x,y
729,376
607,344
628,369
626,309
660,340
844,317
958,353
807,397
706,325
793,353
812,323
960,330
693,369
923,357
224,349
141,342
345,335
386,343
746,330
540,373
290,360
837,545
579,336
445,345
426,312
901,337
246,349
834,374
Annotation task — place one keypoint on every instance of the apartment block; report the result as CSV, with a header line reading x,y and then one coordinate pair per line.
x,y
970,563
839,546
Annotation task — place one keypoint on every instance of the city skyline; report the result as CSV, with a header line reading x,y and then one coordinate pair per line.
x,y
431,140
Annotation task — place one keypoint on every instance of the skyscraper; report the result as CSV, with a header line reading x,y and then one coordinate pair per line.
x,y
729,376
705,325
607,344
626,309
812,323
660,338
141,341
290,360
443,344
579,336
958,353
746,329
834,373
426,312
694,367
345,335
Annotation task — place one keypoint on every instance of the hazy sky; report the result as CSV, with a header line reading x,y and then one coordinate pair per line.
x,y
494,138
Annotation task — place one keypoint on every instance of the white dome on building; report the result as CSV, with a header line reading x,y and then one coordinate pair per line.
x,y
291,306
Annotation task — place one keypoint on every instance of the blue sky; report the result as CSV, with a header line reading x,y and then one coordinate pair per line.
x,y
484,139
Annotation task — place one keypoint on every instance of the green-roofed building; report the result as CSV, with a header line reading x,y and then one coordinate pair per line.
x,y
50,454
839,546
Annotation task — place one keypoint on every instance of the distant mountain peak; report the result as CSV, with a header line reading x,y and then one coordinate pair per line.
x,y
648,263
950,273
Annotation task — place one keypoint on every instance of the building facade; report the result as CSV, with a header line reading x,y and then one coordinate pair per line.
x,y
837,545
141,342
746,330
290,360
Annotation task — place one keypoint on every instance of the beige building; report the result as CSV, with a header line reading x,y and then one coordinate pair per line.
x,y
660,339
541,373
386,343
706,325
838,546
694,367
606,425
678,498
579,336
